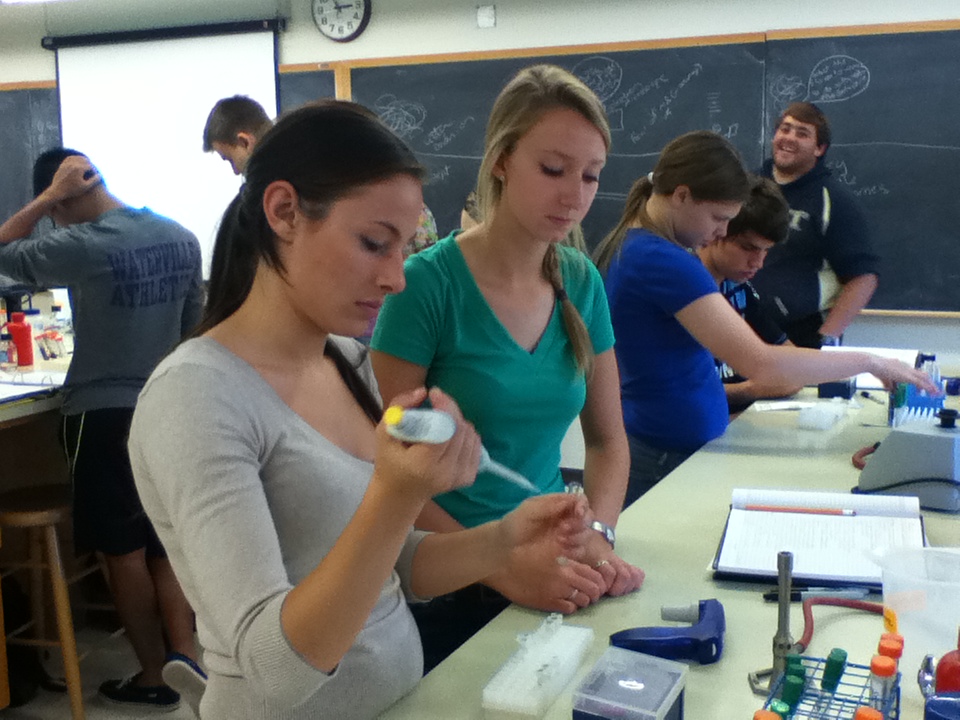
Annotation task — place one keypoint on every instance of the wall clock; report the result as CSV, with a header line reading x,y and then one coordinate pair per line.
x,y
341,20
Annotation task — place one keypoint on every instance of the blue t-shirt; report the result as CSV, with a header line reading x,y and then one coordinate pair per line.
x,y
672,397
521,403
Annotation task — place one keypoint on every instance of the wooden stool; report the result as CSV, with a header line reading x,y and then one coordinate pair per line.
x,y
38,509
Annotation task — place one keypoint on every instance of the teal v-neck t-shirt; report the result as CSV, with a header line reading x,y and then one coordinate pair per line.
x,y
521,403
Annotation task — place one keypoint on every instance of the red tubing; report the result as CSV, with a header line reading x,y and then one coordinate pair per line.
x,y
865,605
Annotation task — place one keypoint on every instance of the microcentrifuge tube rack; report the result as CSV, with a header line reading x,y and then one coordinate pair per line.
x,y
852,691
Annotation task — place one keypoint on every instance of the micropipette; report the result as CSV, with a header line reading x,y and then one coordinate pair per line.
x,y
422,425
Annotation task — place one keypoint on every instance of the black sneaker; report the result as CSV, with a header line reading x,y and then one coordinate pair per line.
x,y
158,698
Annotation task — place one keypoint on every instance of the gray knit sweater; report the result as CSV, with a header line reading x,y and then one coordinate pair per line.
x,y
247,498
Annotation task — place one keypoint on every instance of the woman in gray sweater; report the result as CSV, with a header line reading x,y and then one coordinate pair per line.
x,y
259,455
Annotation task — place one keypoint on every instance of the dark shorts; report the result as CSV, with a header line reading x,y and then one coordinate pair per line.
x,y
107,514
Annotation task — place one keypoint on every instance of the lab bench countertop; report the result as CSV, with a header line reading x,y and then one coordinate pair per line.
x,y
672,533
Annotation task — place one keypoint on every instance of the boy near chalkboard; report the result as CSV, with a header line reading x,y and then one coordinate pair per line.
x,y
826,272
232,130
733,260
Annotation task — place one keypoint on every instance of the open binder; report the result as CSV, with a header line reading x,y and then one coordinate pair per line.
x,y
834,537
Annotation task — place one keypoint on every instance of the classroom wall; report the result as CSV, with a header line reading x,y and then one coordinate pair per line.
x,y
416,27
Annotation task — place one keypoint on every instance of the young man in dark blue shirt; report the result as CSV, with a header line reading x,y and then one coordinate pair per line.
x,y
816,282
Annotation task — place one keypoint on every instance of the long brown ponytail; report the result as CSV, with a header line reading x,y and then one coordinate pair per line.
x,y
636,202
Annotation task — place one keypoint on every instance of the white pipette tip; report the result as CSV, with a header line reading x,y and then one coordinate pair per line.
x,y
488,464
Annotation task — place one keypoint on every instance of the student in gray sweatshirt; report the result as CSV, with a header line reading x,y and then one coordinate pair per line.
x,y
135,289
258,451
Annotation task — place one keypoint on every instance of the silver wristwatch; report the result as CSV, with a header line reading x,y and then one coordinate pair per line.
x,y
608,533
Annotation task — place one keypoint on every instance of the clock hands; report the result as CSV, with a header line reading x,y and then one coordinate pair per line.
x,y
340,20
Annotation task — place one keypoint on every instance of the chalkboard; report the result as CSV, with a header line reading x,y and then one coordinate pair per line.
x,y
651,96
893,102
29,124
297,88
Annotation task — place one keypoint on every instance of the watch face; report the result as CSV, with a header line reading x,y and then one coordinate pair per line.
x,y
341,20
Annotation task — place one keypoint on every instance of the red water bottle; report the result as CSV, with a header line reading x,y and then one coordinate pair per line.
x,y
22,334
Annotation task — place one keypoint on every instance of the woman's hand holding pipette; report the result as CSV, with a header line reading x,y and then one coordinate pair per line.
x,y
425,469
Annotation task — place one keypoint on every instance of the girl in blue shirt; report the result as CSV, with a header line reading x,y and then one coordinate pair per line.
x,y
670,320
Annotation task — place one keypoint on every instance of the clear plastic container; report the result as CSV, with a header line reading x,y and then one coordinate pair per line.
x,y
35,318
923,586
631,686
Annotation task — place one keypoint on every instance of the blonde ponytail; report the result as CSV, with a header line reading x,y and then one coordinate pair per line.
x,y
572,321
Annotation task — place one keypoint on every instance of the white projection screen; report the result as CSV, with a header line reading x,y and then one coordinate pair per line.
x,y
137,110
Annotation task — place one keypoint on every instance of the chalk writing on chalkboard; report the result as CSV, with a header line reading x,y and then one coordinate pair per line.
x,y
842,173
663,110
836,78
441,110
439,136
404,117
600,74
833,79
636,91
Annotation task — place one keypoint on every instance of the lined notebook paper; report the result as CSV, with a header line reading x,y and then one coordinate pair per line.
x,y
832,535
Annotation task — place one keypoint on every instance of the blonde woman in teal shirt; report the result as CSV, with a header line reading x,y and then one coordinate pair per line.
x,y
516,328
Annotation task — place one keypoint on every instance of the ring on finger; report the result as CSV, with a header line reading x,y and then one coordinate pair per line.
x,y
601,563
573,594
